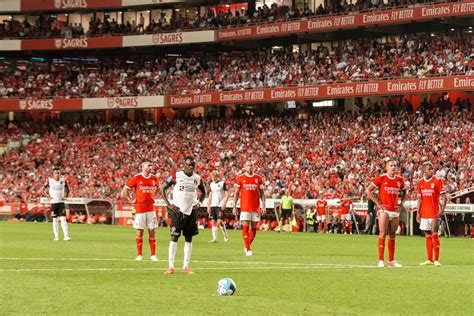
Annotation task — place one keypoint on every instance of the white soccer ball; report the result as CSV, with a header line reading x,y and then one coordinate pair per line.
x,y
226,287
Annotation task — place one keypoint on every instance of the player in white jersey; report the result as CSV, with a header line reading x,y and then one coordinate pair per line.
x,y
216,205
183,209
58,191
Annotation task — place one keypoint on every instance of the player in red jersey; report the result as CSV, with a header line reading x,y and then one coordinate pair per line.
x,y
346,219
429,213
322,214
250,187
145,186
391,187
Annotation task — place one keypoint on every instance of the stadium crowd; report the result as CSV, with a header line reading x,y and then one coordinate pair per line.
x,y
358,60
326,154
49,26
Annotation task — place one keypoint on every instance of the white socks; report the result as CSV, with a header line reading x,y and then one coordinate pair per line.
x,y
214,232
55,227
172,253
188,249
63,226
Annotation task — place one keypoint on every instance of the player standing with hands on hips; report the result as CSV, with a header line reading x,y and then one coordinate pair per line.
x,y
58,191
250,187
391,187
429,213
183,209
145,186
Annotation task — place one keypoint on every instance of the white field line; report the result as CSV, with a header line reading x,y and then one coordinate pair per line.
x,y
194,261
163,269
249,265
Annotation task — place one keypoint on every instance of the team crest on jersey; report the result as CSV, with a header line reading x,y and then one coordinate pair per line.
x,y
399,184
432,185
195,182
256,181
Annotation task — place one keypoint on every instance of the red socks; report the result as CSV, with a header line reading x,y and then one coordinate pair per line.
x,y
436,245
326,228
391,249
252,233
381,248
320,226
245,234
139,242
152,242
344,228
350,227
429,247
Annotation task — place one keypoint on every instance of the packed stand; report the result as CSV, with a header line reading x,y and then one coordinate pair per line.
x,y
358,60
325,154
49,26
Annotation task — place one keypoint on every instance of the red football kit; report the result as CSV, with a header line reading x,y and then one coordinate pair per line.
x,y
430,191
389,189
145,188
249,192
321,207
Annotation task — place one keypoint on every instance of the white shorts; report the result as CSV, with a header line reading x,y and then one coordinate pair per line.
x,y
346,217
250,216
390,214
321,218
425,223
145,220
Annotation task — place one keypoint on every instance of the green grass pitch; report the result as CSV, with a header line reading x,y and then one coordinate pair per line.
x,y
289,274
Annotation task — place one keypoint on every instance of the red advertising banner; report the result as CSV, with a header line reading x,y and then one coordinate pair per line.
x,y
72,43
31,5
444,10
327,91
40,104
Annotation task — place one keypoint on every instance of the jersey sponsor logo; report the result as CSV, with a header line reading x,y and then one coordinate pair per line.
x,y
250,186
427,192
391,190
67,4
167,38
147,188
